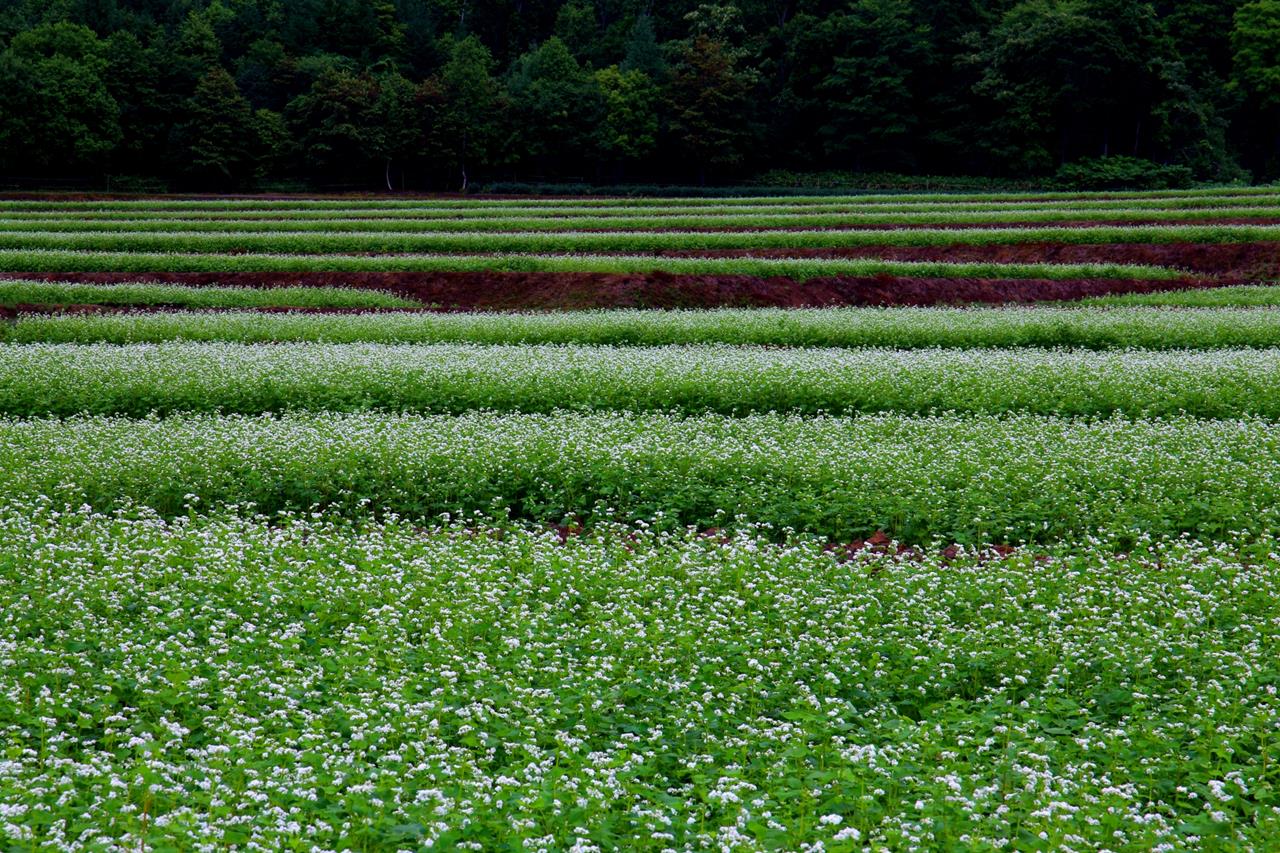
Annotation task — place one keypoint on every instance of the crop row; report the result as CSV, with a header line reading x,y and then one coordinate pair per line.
x,y
1234,206
586,242
618,222
795,268
143,293
967,479
66,379
902,328
197,203
250,684
1243,296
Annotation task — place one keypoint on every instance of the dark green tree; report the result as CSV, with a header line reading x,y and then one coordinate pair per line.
x,y
555,105
1255,42
643,52
628,130
873,115
708,100
465,130
577,27
216,140
332,125
58,113
1076,78
398,115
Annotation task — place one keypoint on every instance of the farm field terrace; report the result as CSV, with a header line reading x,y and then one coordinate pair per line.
x,y
932,522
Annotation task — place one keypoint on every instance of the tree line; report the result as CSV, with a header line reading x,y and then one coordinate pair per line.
x,y
444,94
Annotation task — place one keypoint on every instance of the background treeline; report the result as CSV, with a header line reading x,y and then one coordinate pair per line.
x,y
435,94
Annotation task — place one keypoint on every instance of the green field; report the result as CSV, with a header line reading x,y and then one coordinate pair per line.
x,y
1225,322
291,559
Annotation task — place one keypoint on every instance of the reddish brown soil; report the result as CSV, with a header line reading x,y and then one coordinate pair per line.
x,y
1246,260
550,291
970,226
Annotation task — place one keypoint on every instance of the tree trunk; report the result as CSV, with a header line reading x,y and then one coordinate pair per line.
x,y
387,176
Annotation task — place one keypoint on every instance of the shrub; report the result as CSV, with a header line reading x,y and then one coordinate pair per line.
x,y
1122,173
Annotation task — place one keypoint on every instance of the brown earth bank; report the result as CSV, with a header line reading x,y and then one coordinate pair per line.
x,y
1244,260
955,226
522,291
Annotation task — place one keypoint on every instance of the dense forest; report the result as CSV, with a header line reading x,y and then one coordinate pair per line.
x,y
440,94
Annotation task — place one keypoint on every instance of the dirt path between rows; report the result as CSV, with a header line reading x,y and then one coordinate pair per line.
x,y
1244,260
443,291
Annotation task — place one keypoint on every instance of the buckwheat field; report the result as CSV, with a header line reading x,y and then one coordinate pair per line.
x,y
853,523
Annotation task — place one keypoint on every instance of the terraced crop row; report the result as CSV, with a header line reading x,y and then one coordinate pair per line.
x,y
839,579
65,379
51,260
586,242
873,702
889,199
1152,328
19,292
975,478
582,219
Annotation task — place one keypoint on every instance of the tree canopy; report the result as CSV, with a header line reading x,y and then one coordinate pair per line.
x,y
440,94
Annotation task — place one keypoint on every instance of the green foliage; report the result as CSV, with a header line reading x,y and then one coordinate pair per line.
x,y
143,294
377,93
1075,78
382,681
629,127
219,134
1151,328
643,52
971,479
556,108
1111,173
450,378
56,110
869,92
1256,42
468,97
332,122
707,100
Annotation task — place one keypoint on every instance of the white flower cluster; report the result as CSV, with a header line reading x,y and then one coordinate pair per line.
x,y
222,681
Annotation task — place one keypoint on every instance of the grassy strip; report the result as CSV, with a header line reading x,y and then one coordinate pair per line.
x,y
67,379
902,328
635,242
777,221
63,293
410,675
796,268
967,479
303,203
1242,296
1264,205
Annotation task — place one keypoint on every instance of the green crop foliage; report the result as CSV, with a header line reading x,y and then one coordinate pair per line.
x,y
1244,296
826,579
959,199
970,479
598,242
378,686
67,379
797,268
1140,327
586,219
144,293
